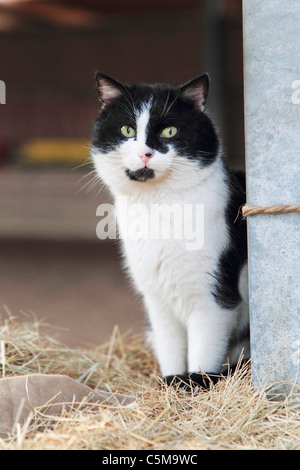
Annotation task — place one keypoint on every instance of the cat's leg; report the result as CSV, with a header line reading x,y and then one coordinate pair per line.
x,y
168,337
209,329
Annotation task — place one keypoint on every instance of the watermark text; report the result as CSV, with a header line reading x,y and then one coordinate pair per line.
x,y
2,92
155,222
296,94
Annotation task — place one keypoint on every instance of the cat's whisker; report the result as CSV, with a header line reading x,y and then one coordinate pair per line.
x,y
166,102
87,174
131,103
172,103
91,183
86,185
130,112
83,177
87,162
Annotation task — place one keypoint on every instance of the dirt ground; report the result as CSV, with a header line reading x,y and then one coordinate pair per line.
x,y
79,288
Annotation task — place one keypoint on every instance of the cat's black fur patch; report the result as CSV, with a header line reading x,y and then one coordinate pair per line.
x,y
142,174
190,381
226,289
205,381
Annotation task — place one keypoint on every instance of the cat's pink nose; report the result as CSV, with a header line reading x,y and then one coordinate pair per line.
x,y
146,156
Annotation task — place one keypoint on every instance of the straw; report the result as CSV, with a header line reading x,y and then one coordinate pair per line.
x,y
232,415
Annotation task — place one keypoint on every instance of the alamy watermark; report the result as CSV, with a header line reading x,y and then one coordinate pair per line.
x,y
296,94
155,222
2,92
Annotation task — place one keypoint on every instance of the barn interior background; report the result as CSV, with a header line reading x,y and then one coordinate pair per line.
x,y
52,264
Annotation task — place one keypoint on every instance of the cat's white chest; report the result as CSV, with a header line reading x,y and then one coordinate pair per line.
x,y
169,251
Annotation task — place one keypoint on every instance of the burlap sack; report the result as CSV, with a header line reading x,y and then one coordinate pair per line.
x,y
21,395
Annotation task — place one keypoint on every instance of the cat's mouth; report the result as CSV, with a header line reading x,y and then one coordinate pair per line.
x,y
142,174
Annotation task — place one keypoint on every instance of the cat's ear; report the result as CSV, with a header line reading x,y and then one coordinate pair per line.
x,y
197,90
108,89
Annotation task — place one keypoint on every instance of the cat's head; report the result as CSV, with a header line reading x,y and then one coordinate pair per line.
x,y
152,134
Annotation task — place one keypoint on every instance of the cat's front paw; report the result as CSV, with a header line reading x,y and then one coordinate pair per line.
x,y
179,380
193,380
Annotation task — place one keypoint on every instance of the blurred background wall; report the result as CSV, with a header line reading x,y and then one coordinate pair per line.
x,y
52,264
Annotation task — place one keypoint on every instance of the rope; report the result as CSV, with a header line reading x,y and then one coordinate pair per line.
x,y
283,209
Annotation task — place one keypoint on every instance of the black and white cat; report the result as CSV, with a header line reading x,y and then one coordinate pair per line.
x,y
155,145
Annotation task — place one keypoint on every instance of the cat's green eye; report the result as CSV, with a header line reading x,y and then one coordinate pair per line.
x,y
169,132
128,131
